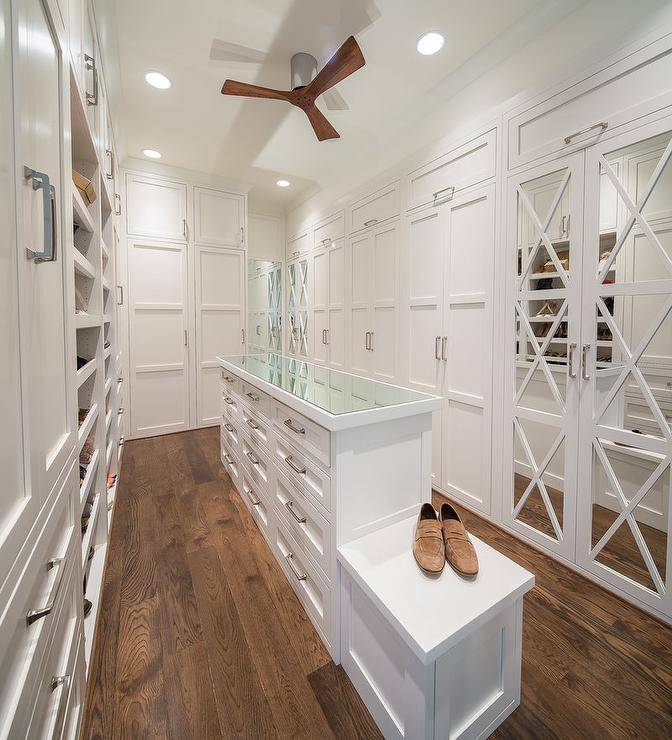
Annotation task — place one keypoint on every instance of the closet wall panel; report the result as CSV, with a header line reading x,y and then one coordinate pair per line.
x,y
156,208
219,218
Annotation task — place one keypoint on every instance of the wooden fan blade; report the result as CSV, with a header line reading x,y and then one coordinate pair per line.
x,y
346,60
232,87
323,129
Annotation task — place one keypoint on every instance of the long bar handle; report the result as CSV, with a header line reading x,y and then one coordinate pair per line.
x,y
90,62
34,614
444,348
62,683
366,340
289,505
584,362
184,228
295,429
117,204
437,348
299,575
110,155
602,125
120,297
371,341
41,180
294,466
572,353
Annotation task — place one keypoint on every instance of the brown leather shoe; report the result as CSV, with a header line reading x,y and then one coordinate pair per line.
x,y
460,552
428,544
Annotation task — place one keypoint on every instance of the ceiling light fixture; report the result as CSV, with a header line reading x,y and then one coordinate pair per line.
x,y
283,183
151,153
429,43
158,80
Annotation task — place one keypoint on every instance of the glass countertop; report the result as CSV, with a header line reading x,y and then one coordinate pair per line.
x,y
330,390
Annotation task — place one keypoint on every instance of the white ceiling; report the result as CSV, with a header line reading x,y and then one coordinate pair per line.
x,y
258,141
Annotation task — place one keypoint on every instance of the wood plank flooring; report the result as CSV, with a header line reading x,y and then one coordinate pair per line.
x,y
200,636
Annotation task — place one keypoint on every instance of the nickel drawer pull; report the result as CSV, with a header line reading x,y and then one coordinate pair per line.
x,y
289,505
297,430
602,125
326,240
294,466
91,97
62,683
228,459
117,204
254,501
229,428
229,400
252,458
256,399
44,611
449,193
120,411
572,352
444,348
371,222
229,379
252,424
110,155
299,576
584,361
437,348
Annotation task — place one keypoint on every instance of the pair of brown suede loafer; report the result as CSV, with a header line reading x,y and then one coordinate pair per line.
x,y
443,537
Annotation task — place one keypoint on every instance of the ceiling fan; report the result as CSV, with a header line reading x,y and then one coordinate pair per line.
x,y
343,63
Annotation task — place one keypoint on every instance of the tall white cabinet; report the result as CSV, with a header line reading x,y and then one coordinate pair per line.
x,y
186,249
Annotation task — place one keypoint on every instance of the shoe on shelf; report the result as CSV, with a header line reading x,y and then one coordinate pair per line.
x,y
550,308
87,607
460,552
428,542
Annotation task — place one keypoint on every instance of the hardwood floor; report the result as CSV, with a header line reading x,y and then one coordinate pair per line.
x,y
200,635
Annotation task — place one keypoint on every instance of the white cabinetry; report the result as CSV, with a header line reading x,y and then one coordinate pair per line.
x,y
300,243
219,218
374,208
329,305
156,208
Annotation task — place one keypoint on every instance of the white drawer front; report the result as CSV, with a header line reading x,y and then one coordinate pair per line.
x,y
374,208
329,230
230,433
257,461
230,383
313,591
310,529
232,465
256,427
32,608
301,470
299,244
467,165
231,407
259,505
304,433
631,88
256,399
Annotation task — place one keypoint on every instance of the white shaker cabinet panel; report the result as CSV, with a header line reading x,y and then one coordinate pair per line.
x,y
159,355
156,208
219,218
220,321
329,230
374,208
299,244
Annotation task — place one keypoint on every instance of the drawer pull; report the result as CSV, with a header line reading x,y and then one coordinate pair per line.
x,y
229,379
256,399
62,683
252,458
299,575
294,466
289,505
371,222
449,193
602,125
228,460
252,424
229,400
253,500
36,614
229,428
298,430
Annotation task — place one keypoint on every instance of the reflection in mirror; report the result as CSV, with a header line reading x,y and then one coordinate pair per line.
x,y
633,364
264,306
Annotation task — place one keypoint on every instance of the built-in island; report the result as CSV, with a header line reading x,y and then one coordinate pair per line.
x,y
334,468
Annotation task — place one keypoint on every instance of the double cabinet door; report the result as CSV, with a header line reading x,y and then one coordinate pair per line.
x,y
588,441
448,332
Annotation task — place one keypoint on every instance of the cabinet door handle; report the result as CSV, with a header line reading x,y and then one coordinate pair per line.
x,y
242,235
584,362
294,466
117,203
184,228
62,683
254,501
121,441
40,180
256,399
229,428
324,336
371,341
252,458
563,226
437,348
572,359
289,505
299,576
120,411
120,380
366,340
603,125
110,155
35,614
242,336
92,97
328,338
252,424
290,424
186,338
371,222
120,296
444,348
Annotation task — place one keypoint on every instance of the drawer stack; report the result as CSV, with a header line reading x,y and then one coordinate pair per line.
x,y
280,463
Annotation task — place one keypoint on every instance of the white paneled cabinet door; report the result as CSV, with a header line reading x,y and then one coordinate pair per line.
x,y
219,218
542,353
361,270
220,322
159,353
156,208
384,286
468,328
47,354
336,310
320,307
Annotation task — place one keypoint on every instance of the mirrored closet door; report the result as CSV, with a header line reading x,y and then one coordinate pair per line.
x,y
626,439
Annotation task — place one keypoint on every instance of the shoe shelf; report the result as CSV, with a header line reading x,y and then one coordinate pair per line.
x,y
82,266
85,372
87,483
87,537
86,426
94,583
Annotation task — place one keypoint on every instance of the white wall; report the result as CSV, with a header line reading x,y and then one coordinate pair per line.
x,y
571,37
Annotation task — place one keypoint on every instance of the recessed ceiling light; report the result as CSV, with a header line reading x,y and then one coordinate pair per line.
x,y
283,183
429,43
151,153
156,79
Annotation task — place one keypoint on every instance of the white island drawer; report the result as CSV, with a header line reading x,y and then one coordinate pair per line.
x,y
257,461
230,383
232,465
231,407
256,427
304,433
310,528
231,434
300,469
259,506
257,400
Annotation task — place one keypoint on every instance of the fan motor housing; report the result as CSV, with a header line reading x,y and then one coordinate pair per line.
x,y
303,68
